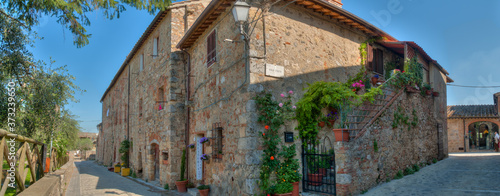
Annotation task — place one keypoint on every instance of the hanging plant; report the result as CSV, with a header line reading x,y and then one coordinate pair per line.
x,y
203,140
204,157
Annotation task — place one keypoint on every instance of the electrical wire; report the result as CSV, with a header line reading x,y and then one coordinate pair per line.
x,y
466,86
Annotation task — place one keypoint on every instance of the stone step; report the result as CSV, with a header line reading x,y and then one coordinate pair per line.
x,y
193,192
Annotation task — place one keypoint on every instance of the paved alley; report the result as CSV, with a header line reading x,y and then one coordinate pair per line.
x,y
91,179
460,174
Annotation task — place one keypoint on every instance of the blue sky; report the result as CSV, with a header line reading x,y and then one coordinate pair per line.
x,y
462,35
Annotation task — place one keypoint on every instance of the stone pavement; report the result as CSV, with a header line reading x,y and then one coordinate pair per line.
x,y
460,174
91,179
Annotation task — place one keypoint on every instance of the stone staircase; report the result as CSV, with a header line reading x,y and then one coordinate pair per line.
x,y
364,115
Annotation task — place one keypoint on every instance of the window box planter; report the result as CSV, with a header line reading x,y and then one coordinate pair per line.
x,y
341,135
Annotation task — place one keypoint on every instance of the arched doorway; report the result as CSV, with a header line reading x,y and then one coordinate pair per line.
x,y
481,135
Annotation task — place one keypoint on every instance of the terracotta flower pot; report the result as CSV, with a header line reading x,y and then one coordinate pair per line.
x,y
315,179
322,171
435,94
295,191
204,192
341,135
374,81
181,186
428,92
284,194
321,124
331,121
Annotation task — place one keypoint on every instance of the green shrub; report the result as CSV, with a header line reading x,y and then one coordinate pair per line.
x,y
399,175
409,171
416,168
375,145
166,187
203,187
434,160
133,175
183,165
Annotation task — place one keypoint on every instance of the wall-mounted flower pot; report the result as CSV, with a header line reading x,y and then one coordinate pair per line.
x,y
428,92
295,191
321,124
181,186
315,179
341,135
435,94
125,171
331,121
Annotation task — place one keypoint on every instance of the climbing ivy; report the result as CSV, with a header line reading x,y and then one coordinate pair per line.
x,y
401,118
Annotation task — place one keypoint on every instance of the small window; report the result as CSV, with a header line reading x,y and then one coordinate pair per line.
x,y
155,47
141,62
211,49
378,61
140,107
160,98
107,112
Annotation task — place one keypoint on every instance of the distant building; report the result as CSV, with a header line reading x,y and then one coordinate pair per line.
x,y
473,127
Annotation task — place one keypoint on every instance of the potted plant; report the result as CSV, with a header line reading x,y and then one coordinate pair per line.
x,y
182,182
341,134
357,86
282,189
322,121
219,154
204,140
191,146
435,94
203,189
204,157
289,168
427,88
332,117
313,176
374,79
125,149
323,165
117,167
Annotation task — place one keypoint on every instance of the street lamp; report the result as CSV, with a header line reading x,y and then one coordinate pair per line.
x,y
240,13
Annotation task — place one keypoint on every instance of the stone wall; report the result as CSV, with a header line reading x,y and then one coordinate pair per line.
x,y
156,98
456,135
359,167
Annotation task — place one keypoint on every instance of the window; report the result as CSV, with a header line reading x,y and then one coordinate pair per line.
x,y
160,98
378,61
211,52
140,107
141,62
155,47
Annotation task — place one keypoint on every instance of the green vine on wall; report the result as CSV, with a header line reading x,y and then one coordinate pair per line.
x,y
401,118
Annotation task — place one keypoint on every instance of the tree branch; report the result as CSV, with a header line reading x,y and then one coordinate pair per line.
x,y
5,14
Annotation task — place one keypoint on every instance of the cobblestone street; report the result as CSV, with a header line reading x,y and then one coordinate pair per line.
x,y
91,179
460,174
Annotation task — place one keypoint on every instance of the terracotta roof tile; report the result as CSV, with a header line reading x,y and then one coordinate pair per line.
x,y
471,111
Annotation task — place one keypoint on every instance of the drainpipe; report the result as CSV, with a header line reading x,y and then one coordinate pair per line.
x,y
465,138
188,86
128,113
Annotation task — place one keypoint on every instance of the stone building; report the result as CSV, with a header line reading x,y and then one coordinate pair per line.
x,y
472,127
205,88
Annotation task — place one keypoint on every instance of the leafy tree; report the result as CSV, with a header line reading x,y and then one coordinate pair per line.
x,y
84,144
72,14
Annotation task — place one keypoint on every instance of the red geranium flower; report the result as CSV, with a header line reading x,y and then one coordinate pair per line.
x,y
263,134
266,127
272,158
403,71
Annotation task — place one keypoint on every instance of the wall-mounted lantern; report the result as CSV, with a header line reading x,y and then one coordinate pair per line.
x,y
288,137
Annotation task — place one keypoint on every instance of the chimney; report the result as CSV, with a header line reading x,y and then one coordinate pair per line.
x,y
335,2
496,101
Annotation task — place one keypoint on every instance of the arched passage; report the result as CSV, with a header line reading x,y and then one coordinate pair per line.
x,y
481,134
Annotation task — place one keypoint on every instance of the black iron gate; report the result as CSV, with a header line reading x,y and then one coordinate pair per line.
x,y
318,159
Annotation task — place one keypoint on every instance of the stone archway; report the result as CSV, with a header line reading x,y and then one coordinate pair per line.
x,y
480,134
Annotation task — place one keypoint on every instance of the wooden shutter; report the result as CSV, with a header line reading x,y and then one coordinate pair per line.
x,y
211,49
379,61
369,57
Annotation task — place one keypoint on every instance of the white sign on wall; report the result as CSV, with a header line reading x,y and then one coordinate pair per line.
x,y
275,70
